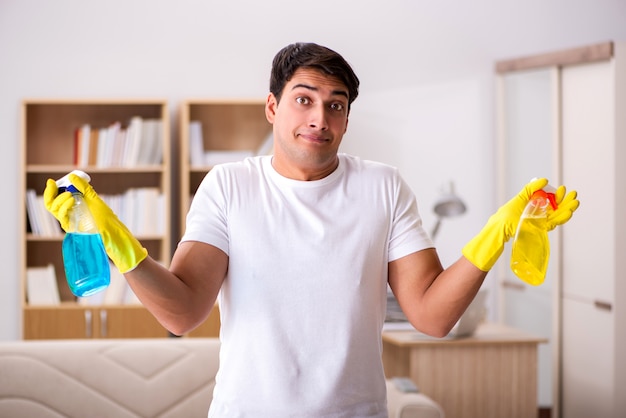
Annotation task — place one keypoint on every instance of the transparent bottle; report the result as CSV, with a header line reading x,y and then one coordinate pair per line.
x,y
531,247
85,259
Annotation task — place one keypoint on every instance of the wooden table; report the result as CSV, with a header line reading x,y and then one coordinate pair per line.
x,y
490,374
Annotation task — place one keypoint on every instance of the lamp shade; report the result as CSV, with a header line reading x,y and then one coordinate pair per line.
x,y
448,205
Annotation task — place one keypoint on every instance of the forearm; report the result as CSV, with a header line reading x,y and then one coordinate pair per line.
x,y
433,299
173,302
451,293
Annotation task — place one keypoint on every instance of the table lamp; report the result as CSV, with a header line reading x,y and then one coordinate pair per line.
x,y
447,206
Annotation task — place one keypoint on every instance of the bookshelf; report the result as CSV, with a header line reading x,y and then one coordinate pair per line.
x,y
213,131
230,130
124,145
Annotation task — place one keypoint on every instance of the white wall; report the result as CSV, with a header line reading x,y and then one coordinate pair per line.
x,y
426,69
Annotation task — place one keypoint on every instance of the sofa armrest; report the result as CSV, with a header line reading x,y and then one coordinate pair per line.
x,y
410,404
121,378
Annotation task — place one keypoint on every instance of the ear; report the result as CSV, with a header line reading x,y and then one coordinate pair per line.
x,y
270,108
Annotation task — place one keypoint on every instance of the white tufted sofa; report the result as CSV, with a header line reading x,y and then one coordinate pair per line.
x,y
164,378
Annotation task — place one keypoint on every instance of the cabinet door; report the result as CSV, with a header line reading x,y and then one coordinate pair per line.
x,y
77,322
527,143
588,342
128,322
589,165
57,323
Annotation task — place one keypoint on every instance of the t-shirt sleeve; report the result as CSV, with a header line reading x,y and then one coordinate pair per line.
x,y
407,232
206,220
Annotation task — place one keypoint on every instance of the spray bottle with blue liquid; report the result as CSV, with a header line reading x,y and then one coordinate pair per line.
x,y
85,259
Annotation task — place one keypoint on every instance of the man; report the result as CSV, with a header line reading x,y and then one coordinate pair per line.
x,y
299,247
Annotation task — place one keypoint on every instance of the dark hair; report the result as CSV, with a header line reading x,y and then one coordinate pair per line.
x,y
311,56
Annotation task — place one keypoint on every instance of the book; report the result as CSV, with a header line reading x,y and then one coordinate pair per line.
x,y
41,286
196,144
151,143
119,145
147,210
33,212
41,222
49,225
141,209
84,145
92,158
133,143
157,155
106,145
157,143
82,136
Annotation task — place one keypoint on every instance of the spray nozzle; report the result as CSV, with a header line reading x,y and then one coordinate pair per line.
x,y
64,183
547,193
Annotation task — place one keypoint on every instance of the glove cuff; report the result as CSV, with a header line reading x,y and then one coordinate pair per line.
x,y
485,248
124,250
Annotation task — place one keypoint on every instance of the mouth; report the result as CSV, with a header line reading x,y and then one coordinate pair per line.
x,y
316,139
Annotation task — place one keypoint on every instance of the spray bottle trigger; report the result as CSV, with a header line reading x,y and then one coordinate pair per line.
x,y
552,200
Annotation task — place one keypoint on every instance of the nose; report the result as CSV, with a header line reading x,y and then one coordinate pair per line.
x,y
318,117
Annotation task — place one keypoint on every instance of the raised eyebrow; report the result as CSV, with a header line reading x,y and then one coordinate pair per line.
x,y
312,88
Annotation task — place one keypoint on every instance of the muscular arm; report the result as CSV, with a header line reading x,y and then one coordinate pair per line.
x,y
182,297
433,299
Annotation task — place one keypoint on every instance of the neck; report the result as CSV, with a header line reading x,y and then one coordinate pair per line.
x,y
304,173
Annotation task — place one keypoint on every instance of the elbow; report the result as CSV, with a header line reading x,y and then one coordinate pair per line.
x,y
176,331
182,324
175,328
179,328
433,329
440,332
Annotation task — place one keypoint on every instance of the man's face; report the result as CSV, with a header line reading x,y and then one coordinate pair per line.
x,y
309,124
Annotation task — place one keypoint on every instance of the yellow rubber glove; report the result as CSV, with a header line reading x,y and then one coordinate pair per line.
x,y
121,246
485,248
566,206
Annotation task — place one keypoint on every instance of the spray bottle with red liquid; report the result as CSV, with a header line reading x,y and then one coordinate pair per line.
x,y
531,246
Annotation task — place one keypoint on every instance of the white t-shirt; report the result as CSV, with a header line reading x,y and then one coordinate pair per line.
x,y
303,304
